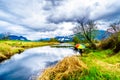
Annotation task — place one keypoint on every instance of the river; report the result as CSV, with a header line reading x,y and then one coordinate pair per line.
x,y
29,64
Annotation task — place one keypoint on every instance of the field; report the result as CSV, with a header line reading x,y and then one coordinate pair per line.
x,y
10,47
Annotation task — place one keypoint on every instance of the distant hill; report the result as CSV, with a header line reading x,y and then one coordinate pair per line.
x,y
44,39
1,36
102,34
13,37
64,38
59,38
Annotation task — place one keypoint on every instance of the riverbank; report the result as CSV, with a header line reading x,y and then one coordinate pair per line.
x,y
9,48
95,65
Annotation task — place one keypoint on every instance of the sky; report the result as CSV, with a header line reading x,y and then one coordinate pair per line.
x,y
37,19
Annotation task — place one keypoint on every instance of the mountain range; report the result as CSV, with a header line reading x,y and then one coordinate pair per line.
x,y
12,37
101,34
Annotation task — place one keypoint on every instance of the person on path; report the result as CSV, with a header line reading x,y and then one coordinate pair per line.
x,y
79,48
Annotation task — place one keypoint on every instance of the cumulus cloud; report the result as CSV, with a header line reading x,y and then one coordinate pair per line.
x,y
63,29
12,28
93,9
105,9
48,18
69,11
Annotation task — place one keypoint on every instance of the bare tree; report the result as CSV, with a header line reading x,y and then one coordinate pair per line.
x,y
86,28
115,26
115,30
6,36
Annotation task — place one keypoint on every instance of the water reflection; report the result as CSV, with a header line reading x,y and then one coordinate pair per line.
x,y
30,62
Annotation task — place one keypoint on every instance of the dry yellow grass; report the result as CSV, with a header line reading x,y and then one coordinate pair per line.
x,y
65,67
2,57
9,48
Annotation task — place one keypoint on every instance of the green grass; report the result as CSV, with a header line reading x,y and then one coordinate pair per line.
x,y
95,73
92,74
113,59
100,66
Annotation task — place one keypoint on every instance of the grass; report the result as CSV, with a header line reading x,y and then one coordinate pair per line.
x,y
10,47
95,73
95,65
64,68
102,66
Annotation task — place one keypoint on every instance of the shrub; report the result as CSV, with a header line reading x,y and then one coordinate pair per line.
x,y
113,42
108,43
76,40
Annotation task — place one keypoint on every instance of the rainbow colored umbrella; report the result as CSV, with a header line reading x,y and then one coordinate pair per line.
x,y
80,46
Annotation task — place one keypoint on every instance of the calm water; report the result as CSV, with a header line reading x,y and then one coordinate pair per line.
x,y
30,63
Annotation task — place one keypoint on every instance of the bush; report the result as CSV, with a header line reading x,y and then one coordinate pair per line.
x,y
108,43
53,40
113,42
76,40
